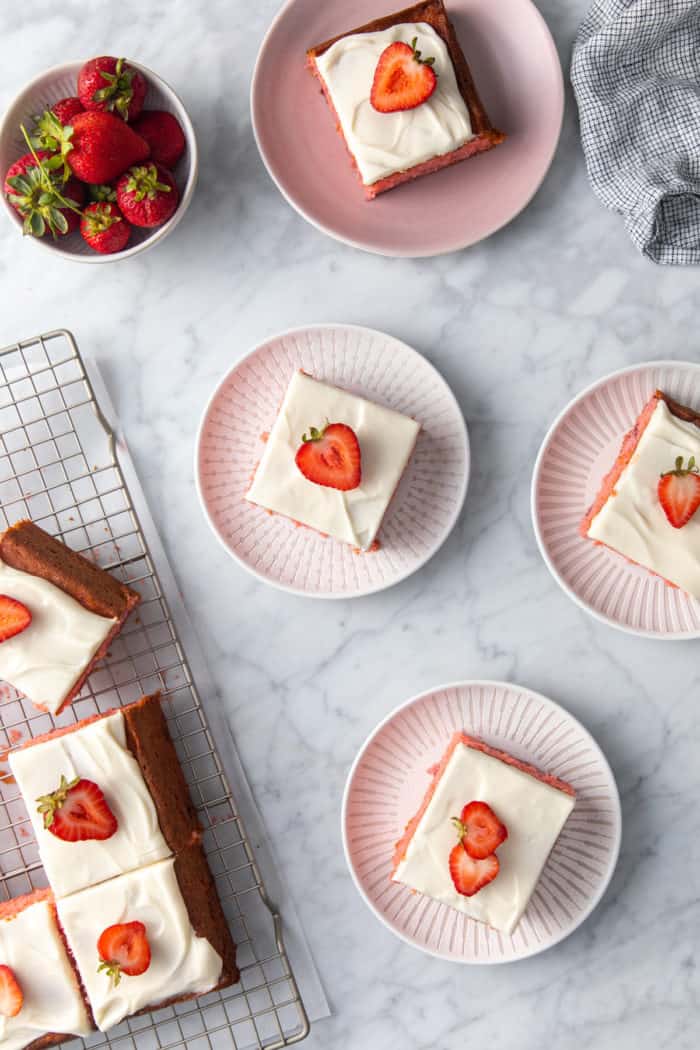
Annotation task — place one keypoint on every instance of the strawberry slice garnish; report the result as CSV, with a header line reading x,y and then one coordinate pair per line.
x,y
77,811
470,875
479,829
14,617
402,79
331,457
11,995
124,949
679,492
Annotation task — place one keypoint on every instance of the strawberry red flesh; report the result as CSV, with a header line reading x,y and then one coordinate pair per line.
x,y
104,147
14,617
163,134
470,875
67,108
11,995
77,811
402,79
331,457
679,492
124,949
480,830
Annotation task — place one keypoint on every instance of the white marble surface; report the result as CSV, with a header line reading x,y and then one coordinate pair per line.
x,y
517,325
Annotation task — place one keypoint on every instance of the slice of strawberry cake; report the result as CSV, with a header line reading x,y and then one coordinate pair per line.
x,y
646,506
403,97
58,615
150,938
483,833
41,1003
105,796
333,461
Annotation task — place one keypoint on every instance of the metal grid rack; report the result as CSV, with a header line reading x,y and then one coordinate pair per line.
x,y
58,466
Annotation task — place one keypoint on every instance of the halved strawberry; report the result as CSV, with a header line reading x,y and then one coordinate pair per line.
x,y
470,875
402,79
479,829
679,492
77,811
331,457
14,617
124,949
11,995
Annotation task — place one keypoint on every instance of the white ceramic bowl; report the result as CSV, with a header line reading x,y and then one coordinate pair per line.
x,y
60,82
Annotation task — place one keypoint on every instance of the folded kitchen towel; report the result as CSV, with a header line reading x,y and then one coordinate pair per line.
x,y
636,76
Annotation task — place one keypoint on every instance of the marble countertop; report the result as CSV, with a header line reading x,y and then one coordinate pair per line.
x,y
517,325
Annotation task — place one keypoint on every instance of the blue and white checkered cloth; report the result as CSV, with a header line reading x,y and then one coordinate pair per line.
x,y
636,77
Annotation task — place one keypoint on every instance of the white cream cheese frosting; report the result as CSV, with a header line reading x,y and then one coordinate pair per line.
x,y
97,752
46,660
385,143
386,441
633,522
31,945
534,814
181,962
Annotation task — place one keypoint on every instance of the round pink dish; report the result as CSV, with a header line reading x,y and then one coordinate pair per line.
x,y
580,448
517,72
244,407
389,778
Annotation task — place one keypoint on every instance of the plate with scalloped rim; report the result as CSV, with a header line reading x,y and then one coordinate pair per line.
x,y
578,450
388,780
242,410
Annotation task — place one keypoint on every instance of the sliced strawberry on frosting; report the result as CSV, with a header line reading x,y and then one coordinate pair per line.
x,y
11,995
470,875
402,79
77,811
480,830
14,617
124,949
679,492
331,457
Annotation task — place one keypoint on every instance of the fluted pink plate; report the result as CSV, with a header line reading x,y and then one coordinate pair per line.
x,y
389,778
579,449
244,407
517,71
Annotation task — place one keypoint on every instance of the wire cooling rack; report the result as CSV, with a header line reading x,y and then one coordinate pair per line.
x,y
58,466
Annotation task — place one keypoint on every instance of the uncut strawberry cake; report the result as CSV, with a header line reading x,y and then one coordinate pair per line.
x,y
58,615
402,96
483,832
333,461
645,509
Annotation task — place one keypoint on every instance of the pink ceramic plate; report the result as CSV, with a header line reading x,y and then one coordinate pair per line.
x,y
517,71
579,449
245,405
389,778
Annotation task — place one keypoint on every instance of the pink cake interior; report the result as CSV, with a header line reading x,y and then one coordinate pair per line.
x,y
479,144
477,745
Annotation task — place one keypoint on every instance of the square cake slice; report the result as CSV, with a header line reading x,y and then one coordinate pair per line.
x,y
388,148
532,806
76,610
31,945
386,440
190,947
627,514
127,755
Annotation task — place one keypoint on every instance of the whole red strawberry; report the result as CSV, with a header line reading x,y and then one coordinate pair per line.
x,y
104,147
163,134
67,108
112,85
104,228
38,196
147,195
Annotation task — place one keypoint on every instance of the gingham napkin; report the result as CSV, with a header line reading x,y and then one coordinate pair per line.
x,y
636,77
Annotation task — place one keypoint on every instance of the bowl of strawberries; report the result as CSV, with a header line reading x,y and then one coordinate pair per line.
x,y
99,159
